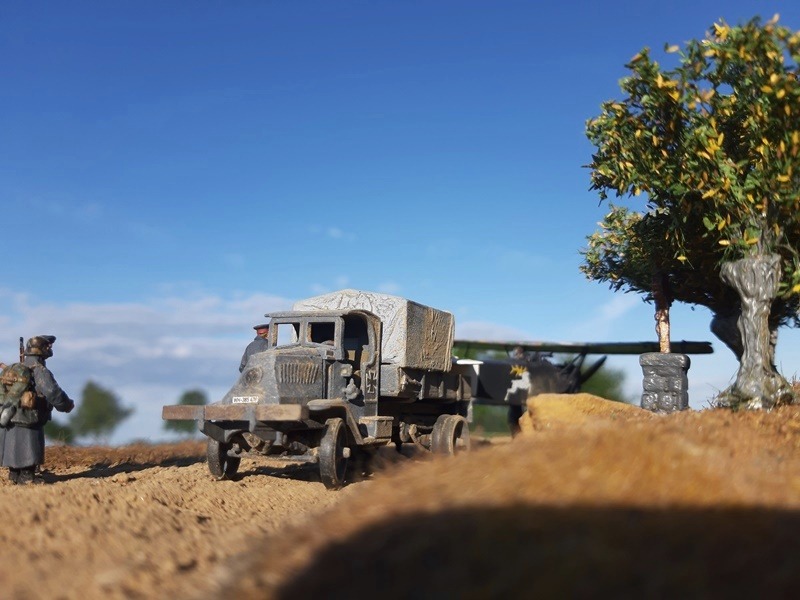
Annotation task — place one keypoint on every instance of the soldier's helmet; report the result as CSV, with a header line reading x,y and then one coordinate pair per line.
x,y
40,345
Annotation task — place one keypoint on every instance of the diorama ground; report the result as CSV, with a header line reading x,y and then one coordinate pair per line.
x,y
594,499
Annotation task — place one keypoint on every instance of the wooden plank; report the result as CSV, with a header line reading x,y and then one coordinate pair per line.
x,y
235,412
182,412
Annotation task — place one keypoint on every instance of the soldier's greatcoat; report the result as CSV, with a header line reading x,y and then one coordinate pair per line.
x,y
257,345
22,447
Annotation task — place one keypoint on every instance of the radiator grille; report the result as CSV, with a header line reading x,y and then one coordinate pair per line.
x,y
298,373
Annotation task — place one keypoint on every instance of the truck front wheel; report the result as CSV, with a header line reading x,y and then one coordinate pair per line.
x,y
333,454
450,435
220,464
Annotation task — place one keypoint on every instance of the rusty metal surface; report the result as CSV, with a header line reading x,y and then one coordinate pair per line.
x,y
414,335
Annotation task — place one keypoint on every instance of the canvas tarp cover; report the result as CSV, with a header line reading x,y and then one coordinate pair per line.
x,y
414,335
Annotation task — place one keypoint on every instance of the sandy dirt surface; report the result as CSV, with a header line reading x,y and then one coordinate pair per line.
x,y
595,498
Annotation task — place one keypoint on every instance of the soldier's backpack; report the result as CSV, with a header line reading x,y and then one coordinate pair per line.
x,y
17,396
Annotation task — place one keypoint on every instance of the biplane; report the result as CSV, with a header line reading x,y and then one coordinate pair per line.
x,y
529,368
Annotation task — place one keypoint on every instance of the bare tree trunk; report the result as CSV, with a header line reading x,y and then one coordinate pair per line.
x,y
663,300
758,384
773,342
726,328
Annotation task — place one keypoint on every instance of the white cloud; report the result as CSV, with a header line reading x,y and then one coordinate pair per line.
x,y
608,321
389,287
619,306
339,283
148,352
485,331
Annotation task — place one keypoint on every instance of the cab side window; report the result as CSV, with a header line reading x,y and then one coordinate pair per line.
x,y
355,337
322,332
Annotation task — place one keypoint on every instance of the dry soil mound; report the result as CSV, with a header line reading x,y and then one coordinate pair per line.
x,y
548,411
695,504
603,500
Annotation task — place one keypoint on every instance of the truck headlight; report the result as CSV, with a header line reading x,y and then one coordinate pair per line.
x,y
253,376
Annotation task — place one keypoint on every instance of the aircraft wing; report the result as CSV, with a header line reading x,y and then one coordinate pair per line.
x,y
680,347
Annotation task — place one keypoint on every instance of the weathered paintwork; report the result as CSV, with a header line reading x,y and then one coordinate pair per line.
x,y
414,335
341,373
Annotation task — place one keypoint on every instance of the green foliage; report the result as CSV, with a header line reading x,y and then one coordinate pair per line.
x,y
713,147
608,383
191,397
490,421
59,433
98,413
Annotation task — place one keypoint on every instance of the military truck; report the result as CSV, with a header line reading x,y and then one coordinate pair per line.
x,y
343,374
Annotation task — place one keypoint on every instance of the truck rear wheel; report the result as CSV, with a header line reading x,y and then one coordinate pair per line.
x,y
450,435
220,464
333,454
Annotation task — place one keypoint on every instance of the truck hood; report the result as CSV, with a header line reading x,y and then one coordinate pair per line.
x,y
288,375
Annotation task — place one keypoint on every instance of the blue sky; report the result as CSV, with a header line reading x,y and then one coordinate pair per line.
x,y
171,171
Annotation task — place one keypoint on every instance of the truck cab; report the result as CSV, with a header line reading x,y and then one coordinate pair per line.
x,y
324,389
320,355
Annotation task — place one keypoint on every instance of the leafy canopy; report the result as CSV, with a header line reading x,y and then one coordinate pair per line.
x,y
713,145
190,397
59,433
99,412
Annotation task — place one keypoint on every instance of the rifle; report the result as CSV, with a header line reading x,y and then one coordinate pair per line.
x,y
21,355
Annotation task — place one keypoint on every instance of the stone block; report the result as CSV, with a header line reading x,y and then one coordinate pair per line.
x,y
665,385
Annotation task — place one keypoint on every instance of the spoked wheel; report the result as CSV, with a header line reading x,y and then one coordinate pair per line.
x,y
450,435
220,464
333,453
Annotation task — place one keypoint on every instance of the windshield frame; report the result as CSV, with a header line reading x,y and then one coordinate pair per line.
x,y
303,326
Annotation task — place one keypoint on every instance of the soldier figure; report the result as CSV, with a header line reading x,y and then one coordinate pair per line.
x,y
259,344
22,444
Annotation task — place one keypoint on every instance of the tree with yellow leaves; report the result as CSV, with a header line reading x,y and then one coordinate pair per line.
x,y
711,148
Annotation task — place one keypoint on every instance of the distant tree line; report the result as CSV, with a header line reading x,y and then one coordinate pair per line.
x,y
187,428
97,415
100,411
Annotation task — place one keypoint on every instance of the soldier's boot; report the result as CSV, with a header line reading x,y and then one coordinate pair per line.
x,y
28,476
13,475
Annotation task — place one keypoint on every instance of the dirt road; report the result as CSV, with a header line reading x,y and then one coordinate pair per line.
x,y
141,521
614,502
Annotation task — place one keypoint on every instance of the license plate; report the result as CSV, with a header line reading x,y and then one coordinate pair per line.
x,y
245,400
